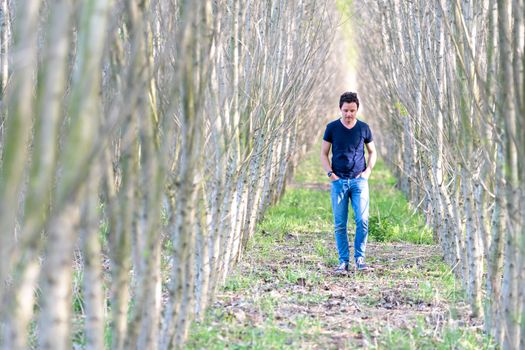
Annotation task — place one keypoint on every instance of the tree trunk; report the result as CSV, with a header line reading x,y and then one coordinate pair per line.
x,y
93,281
55,312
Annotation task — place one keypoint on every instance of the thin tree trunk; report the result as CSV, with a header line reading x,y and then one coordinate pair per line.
x,y
203,268
20,109
506,111
54,326
5,35
495,255
93,281
474,252
23,254
121,207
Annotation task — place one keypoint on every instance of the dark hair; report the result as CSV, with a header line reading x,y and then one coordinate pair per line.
x,y
348,97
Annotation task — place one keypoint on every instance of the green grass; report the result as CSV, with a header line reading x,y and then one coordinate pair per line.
x,y
391,217
298,274
267,337
309,299
300,210
323,251
310,170
421,337
240,282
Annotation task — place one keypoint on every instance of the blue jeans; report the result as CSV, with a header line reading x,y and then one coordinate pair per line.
x,y
355,191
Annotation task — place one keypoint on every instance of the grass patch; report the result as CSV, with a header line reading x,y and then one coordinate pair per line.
x,y
240,282
421,337
309,299
310,169
266,336
300,210
325,252
391,217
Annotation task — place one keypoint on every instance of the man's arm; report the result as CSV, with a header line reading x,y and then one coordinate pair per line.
x,y
325,162
372,157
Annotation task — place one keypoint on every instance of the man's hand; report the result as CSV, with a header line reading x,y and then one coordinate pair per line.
x,y
334,177
366,174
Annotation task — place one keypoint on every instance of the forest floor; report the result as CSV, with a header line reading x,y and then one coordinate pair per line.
x,y
283,294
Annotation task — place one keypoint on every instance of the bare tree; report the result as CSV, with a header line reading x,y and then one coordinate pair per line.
x,y
141,141
466,132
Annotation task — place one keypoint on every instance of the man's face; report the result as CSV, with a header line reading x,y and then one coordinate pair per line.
x,y
349,112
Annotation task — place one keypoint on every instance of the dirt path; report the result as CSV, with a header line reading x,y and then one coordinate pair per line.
x,y
289,287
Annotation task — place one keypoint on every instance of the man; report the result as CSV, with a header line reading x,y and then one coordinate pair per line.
x,y
349,173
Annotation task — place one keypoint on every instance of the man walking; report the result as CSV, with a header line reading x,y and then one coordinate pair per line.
x,y
349,173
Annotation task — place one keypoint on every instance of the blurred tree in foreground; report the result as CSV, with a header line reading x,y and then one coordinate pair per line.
x,y
140,141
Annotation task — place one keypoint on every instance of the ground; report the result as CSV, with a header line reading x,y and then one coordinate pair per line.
x,y
283,294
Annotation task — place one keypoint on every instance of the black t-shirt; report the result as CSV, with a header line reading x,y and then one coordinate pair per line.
x,y
348,151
